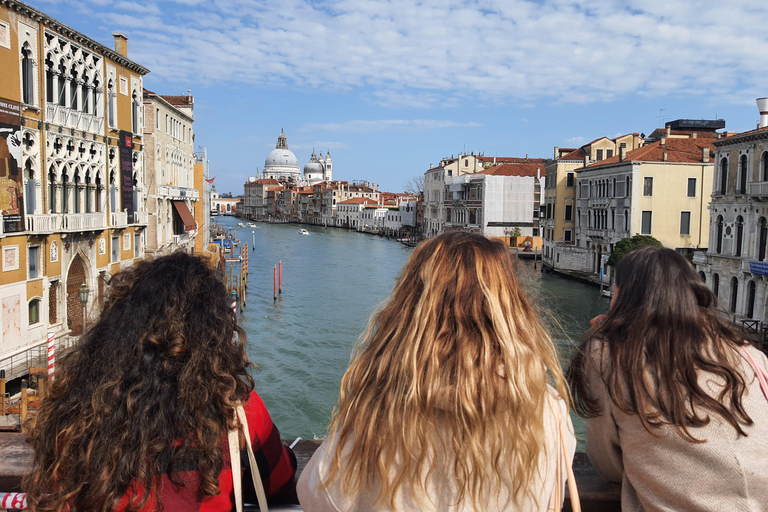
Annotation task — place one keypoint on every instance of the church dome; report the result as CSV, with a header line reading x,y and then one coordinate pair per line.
x,y
281,158
313,166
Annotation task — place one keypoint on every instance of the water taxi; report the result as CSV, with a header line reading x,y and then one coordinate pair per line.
x,y
303,231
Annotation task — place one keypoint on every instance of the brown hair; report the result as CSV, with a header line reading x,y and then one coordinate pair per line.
x,y
151,386
661,331
458,344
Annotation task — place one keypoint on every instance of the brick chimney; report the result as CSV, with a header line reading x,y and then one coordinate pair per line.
x,y
121,43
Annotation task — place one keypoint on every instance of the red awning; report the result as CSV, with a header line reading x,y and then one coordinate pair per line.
x,y
186,215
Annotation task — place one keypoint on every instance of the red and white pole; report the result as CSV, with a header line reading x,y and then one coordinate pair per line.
x,y
51,356
280,285
13,500
275,294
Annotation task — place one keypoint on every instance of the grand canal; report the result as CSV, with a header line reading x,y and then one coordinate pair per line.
x,y
333,280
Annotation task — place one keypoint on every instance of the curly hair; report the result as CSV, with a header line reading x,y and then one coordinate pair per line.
x,y
457,344
662,333
153,383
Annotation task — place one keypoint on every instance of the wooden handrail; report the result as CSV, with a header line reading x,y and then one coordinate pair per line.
x,y
597,495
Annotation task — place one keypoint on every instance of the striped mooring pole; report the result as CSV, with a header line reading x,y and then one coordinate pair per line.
x,y
51,356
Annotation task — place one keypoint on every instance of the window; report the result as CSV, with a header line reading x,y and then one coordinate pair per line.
x,y
569,178
734,293
599,154
53,300
763,233
157,118
608,153
568,212
27,76
719,234
647,187
34,262
111,104
716,284
723,175
685,223
627,187
535,231
34,311
135,113
751,299
743,174
646,225
691,187
764,165
115,248
567,235
136,245
739,234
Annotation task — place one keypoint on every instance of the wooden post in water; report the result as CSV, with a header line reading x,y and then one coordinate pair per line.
x,y
41,378
24,398
2,392
275,295
280,284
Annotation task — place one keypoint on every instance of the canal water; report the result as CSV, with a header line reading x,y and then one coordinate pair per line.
x,y
333,279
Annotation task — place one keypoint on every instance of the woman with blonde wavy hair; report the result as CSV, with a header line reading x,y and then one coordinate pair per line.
x,y
447,403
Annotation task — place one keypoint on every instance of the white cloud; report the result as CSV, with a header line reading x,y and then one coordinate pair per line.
x,y
374,125
576,141
438,53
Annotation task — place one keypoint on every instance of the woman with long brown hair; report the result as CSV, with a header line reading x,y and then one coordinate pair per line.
x,y
673,403
139,413
447,403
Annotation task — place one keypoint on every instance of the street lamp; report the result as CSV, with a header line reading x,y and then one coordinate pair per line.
x,y
84,301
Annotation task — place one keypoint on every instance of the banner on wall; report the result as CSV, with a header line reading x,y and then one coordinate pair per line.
x,y
126,173
11,180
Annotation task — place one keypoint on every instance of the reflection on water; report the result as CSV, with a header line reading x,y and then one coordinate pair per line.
x,y
333,280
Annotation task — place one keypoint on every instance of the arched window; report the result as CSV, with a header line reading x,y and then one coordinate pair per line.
x,y
627,190
743,174
27,76
30,192
62,85
739,234
52,189
719,234
64,192
49,96
613,219
723,175
716,285
97,194
86,96
751,299
613,189
111,104
74,87
95,98
135,112
734,294
762,238
626,220
764,165
703,277
76,189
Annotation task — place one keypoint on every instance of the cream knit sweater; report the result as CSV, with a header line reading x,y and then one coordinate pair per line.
x,y
728,472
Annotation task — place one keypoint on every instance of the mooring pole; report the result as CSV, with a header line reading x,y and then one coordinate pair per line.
x,y
275,294
280,284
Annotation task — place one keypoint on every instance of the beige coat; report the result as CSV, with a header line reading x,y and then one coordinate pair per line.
x,y
441,490
726,473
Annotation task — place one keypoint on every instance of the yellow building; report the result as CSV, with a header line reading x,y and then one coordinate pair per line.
x,y
661,189
559,212
71,177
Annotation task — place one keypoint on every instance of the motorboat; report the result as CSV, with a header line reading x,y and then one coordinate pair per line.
x,y
303,231
251,224
240,225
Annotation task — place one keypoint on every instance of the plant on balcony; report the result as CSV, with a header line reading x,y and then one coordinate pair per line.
x,y
627,245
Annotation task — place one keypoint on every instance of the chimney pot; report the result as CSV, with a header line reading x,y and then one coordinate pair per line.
x,y
669,130
705,155
762,106
663,141
622,153
557,151
694,135
665,156
121,43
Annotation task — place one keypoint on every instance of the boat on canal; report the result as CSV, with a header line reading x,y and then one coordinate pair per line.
x,y
303,231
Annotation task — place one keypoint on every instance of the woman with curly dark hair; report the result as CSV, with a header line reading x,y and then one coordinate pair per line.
x,y
672,394
138,416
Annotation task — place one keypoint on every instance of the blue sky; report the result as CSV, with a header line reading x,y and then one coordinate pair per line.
x,y
392,86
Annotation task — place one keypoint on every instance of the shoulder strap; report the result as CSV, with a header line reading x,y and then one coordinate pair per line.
x,y
257,483
562,461
234,457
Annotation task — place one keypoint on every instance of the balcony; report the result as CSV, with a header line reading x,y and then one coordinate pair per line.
x,y
73,119
178,193
759,189
141,218
118,219
48,223
84,221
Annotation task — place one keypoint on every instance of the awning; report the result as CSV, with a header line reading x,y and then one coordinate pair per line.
x,y
186,215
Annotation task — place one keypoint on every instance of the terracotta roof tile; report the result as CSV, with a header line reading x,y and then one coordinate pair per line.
x,y
677,150
516,169
178,100
359,200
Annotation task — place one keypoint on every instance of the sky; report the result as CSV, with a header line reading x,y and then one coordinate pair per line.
x,y
392,86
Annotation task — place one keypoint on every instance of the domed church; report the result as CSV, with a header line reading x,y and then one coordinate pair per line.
x,y
282,165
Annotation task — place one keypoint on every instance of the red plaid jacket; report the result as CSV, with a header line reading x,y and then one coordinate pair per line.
x,y
277,466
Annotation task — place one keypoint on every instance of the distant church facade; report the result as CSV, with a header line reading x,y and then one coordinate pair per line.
x,y
282,165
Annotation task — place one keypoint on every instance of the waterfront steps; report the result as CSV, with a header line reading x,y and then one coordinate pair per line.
x,y
597,495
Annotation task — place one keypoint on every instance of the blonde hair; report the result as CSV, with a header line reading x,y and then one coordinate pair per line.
x,y
458,344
